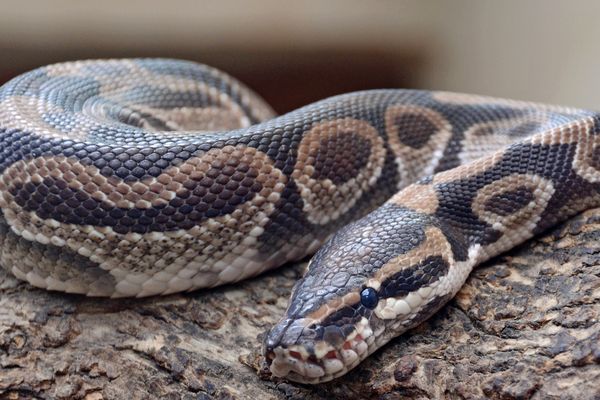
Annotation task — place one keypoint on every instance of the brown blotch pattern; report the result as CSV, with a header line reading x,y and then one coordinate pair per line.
x,y
570,132
330,160
417,136
220,113
487,137
509,201
226,174
413,129
337,161
518,225
514,202
208,247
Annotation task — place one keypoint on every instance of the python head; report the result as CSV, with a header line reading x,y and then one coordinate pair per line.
x,y
373,280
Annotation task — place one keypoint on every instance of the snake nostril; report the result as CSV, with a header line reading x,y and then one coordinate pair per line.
x,y
270,355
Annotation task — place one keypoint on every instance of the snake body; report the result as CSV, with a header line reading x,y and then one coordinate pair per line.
x,y
142,177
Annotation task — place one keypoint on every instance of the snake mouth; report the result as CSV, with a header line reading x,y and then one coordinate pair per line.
x,y
321,361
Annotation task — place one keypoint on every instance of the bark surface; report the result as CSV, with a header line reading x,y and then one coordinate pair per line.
x,y
526,325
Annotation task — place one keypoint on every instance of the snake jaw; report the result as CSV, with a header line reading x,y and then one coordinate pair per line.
x,y
320,361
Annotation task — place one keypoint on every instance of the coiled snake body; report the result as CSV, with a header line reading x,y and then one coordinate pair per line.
x,y
145,177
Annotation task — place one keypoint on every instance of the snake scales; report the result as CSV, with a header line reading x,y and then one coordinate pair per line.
x,y
144,177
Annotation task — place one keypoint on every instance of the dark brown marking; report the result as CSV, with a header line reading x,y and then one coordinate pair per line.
x,y
509,202
340,157
209,186
413,278
54,199
414,130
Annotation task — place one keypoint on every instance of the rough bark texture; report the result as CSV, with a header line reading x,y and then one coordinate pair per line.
x,y
526,325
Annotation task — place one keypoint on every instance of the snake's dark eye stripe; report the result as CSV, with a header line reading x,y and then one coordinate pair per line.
x,y
369,298
411,279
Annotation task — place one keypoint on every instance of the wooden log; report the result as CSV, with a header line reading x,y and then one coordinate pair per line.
x,y
526,325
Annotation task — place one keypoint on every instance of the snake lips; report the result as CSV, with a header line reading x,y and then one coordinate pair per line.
x,y
146,177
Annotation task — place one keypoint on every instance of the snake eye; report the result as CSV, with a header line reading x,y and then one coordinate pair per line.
x,y
369,298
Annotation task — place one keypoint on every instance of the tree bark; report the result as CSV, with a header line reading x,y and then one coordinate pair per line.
x,y
526,325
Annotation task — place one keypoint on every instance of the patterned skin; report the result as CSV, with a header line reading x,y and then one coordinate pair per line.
x,y
144,177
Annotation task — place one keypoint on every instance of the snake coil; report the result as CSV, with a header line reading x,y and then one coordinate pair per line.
x,y
147,176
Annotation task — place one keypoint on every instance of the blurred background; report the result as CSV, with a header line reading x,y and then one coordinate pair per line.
x,y
295,52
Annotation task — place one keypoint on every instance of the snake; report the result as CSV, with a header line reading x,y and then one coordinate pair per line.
x,y
141,177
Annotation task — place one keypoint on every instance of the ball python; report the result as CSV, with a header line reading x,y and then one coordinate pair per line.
x,y
140,177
